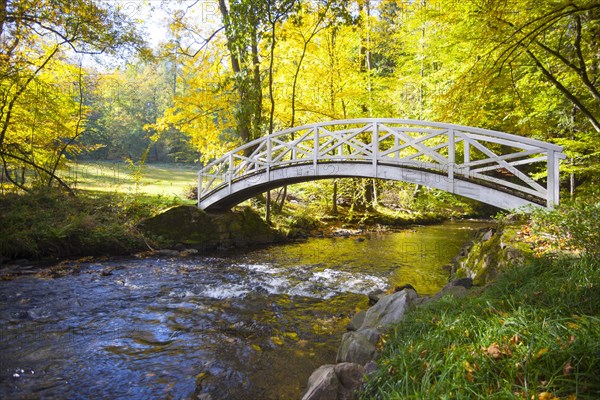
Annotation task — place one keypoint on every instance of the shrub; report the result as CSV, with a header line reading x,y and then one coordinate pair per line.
x,y
574,224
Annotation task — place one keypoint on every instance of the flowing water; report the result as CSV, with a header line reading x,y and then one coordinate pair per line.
x,y
251,326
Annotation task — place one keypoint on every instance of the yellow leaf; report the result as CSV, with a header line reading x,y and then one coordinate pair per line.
x,y
291,335
470,377
202,375
256,347
547,396
541,352
468,367
277,340
515,340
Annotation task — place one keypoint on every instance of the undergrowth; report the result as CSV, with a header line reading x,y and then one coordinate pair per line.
x,y
533,334
53,225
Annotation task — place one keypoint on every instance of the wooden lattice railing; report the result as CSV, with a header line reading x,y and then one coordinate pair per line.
x,y
513,163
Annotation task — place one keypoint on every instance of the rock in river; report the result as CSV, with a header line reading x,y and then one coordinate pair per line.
x,y
335,382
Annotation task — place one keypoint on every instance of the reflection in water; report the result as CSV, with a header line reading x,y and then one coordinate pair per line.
x,y
239,327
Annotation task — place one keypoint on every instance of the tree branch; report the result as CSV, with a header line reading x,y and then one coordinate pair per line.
x,y
36,166
6,121
595,123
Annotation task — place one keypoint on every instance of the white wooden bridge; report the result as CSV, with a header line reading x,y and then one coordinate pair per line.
x,y
497,168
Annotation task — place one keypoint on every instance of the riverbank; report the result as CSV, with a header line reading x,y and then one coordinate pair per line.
x,y
529,330
533,334
48,227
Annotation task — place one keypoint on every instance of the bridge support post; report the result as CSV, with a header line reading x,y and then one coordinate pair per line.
x,y
467,155
375,146
553,181
316,150
451,159
230,171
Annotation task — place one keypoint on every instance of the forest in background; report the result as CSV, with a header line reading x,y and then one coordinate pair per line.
x,y
232,71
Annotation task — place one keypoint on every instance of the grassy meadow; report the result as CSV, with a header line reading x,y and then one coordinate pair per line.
x,y
152,179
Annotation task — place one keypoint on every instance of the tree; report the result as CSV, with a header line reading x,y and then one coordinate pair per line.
x,y
35,38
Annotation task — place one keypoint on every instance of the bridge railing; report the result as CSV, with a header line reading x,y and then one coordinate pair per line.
x,y
519,164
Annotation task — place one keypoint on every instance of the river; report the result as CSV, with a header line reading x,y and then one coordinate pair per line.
x,y
241,326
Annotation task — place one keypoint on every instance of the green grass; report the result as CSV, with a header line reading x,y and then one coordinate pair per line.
x,y
534,334
49,224
154,179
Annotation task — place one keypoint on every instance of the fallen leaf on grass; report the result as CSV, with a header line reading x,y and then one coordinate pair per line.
x,y
494,351
568,368
468,366
277,340
541,352
469,377
547,396
469,371
515,340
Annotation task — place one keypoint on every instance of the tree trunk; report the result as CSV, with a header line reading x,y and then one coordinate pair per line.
x,y
268,208
334,210
368,190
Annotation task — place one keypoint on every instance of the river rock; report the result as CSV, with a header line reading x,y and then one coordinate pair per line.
x,y
188,252
454,291
457,288
375,295
356,321
389,309
370,368
465,282
190,227
166,253
335,382
403,287
358,347
487,235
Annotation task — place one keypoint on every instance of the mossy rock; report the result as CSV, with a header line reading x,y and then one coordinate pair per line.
x,y
494,252
242,226
181,224
191,226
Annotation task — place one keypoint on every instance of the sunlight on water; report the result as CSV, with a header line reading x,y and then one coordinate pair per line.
x,y
250,326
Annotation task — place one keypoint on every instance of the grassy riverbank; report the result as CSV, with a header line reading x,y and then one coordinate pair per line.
x,y
111,198
54,225
532,334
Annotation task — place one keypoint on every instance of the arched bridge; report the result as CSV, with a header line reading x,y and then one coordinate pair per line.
x,y
497,168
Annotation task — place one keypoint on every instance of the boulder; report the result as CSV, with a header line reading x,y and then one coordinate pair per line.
x,y
389,309
356,321
358,347
189,228
335,382
450,290
370,368
181,224
487,235
372,335
166,253
496,250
